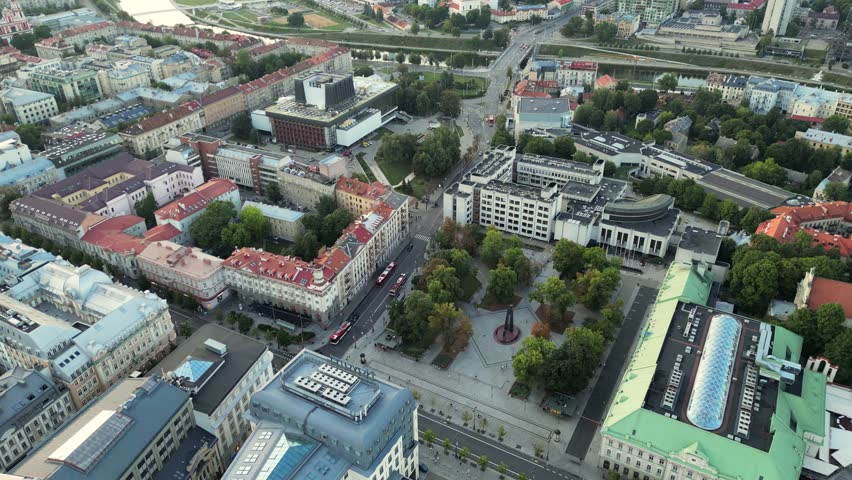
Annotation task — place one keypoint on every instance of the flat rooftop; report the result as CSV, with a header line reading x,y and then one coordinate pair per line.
x,y
729,380
208,376
275,212
606,142
747,192
701,241
366,91
587,210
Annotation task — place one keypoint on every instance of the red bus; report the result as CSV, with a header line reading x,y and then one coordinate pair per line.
x,y
398,285
384,276
340,333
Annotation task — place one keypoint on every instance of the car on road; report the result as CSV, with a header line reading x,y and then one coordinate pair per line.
x,y
398,285
341,332
423,468
385,274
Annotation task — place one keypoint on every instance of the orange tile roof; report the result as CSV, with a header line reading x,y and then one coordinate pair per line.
x,y
372,191
166,231
831,291
196,201
788,221
288,269
110,235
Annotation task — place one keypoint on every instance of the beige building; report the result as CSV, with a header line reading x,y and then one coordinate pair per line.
x,y
28,106
300,186
147,137
820,139
185,269
626,23
283,222
358,197
124,76
89,331
220,107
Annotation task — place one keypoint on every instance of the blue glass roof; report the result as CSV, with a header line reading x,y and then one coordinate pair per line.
x,y
710,392
193,369
295,451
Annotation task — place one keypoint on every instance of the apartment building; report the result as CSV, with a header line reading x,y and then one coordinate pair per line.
x,y
777,17
89,331
626,24
72,148
729,387
732,86
357,197
19,169
182,212
300,185
220,107
147,137
185,269
67,83
821,139
32,406
650,11
28,106
221,370
141,428
321,287
113,187
124,76
309,407
283,222
13,21
566,73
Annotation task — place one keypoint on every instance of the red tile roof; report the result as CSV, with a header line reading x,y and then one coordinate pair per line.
x,y
753,5
807,119
605,81
789,220
165,118
219,95
583,66
110,235
166,231
288,269
196,201
372,191
831,291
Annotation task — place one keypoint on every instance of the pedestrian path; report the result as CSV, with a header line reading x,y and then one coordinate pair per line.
x,y
420,236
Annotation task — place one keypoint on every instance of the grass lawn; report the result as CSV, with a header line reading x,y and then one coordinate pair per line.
x,y
395,170
382,133
241,15
367,170
419,187
468,87
195,3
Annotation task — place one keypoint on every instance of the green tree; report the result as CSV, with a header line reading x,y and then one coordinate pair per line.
x,y
766,171
568,257
829,322
437,154
363,70
241,126
753,217
244,323
839,351
492,246
31,135
729,210
483,462
754,279
184,329
410,318
296,20
836,124
415,29
595,287
307,245
42,31
442,317
400,57
501,283
283,338
563,147
539,146
531,361
573,364
667,82
145,208
255,223
649,99
555,293
235,236
837,191
25,42
273,193
450,104
206,230
515,259
605,32
429,437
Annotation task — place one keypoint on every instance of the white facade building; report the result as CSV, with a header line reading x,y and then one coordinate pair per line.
x,y
185,269
777,16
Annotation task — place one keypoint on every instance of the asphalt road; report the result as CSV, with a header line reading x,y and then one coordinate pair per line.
x,y
496,452
610,375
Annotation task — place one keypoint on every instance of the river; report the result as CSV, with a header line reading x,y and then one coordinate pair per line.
x,y
166,13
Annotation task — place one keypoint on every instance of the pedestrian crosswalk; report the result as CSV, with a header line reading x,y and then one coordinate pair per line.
x,y
420,236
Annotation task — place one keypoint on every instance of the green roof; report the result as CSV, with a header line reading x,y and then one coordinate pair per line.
x,y
706,451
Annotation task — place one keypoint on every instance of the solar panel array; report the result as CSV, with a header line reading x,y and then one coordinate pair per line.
x,y
330,383
88,453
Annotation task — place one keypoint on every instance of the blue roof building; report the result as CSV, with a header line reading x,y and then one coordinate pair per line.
x,y
325,415
131,431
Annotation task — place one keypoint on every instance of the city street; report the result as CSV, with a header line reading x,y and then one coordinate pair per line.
x,y
495,451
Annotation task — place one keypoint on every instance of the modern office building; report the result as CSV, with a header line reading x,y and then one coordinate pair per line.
x,y
541,114
89,331
324,415
329,110
129,433
28,106
650,11
699,26
67,83
73,148
777,17
283,222
185,269
221,370
182,212
32,406
713,395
